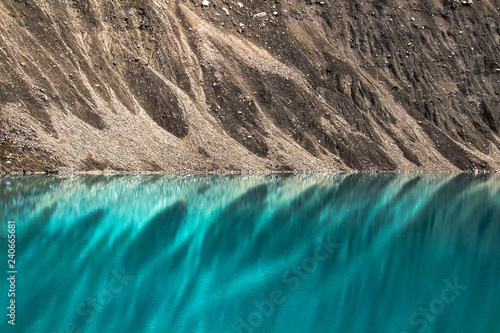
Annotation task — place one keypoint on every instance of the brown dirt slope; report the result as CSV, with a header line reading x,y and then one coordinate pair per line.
x,y
159,85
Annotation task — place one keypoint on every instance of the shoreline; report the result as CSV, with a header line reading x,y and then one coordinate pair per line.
x,y
195,173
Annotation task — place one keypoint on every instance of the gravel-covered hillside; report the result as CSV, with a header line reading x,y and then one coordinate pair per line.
x,y
214,85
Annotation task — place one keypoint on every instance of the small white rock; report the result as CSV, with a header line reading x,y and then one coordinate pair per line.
x,y
240,4
205,3
225,10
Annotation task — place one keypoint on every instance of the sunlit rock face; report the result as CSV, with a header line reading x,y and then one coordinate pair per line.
x,y
265,253
254,85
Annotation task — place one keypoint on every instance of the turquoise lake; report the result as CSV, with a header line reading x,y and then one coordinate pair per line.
x,y
253,253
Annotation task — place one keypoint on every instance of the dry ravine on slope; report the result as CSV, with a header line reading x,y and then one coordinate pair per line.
x,y
220,85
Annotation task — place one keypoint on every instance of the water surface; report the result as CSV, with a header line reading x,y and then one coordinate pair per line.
x,y
254,253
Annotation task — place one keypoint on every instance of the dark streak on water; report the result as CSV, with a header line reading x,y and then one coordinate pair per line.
x,y
203,253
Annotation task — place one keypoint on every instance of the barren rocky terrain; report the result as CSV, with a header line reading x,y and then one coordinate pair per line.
x,y
220,85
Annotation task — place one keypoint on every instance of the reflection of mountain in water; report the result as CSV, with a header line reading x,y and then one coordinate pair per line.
x,y
203,249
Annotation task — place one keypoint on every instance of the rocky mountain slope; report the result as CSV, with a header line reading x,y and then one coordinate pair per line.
x,y
212,85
